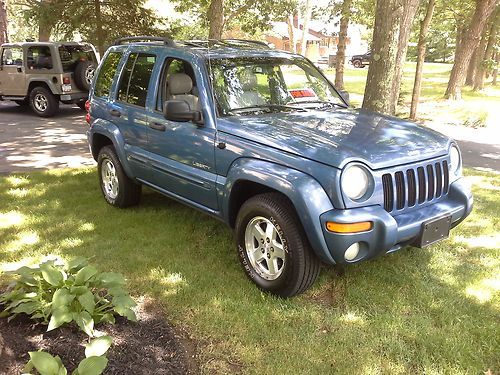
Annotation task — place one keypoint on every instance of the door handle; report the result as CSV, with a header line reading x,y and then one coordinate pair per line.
x,y
157,126
115,112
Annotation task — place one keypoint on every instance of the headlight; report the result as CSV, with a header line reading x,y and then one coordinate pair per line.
x,y
356,182
455,162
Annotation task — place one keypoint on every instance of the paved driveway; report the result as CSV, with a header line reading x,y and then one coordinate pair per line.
x,y
28,142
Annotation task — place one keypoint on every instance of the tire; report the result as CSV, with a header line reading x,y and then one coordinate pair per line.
x,y
357,64
289,267
22,103
43,102
84,74
117,188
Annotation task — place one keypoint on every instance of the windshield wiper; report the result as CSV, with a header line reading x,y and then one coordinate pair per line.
x,y
257,108
323,102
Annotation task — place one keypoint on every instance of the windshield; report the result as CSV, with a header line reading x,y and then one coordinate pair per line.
x,y
71,55
268,84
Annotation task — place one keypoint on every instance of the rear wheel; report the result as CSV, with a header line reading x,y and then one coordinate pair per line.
x,y
273,247
357,64
43,102
117,188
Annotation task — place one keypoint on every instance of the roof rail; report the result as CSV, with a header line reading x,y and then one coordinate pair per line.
x,y
167,41
247,41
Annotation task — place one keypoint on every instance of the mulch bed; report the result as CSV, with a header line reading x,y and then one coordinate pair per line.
x,y
148,346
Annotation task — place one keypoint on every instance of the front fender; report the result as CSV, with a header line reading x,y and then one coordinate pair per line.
x,y
111,131
305,193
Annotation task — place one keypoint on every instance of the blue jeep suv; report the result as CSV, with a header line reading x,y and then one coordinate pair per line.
x,y
260,139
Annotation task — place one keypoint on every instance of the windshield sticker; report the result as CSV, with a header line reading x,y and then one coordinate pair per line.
x,y
303,95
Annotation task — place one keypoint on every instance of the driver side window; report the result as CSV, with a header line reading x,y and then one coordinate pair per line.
x,y
12,56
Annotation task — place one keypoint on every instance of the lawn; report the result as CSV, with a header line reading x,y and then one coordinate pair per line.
x,y
429,311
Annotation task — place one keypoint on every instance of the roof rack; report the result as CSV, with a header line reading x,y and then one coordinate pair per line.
x,y
167,41
247,41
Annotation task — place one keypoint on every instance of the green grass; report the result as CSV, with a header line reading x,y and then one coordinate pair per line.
x,y
430,311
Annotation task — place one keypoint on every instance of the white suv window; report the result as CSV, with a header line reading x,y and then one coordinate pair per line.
x,y
12,56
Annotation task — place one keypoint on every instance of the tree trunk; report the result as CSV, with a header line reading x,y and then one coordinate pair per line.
x,y
305,29
340,59
464,50
479,63
216,19
98,21
421,47
44,31
409,10
382,82
291,33
4,36
495,70
471,70
488,53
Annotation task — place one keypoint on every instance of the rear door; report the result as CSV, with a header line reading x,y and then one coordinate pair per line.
x,y
12,76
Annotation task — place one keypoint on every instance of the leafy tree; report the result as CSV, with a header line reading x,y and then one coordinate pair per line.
x,y
340,60
486,63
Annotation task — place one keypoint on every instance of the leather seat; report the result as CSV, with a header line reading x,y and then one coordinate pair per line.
x,y
250,96
179,87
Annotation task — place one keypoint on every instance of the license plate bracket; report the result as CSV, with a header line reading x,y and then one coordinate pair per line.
x,y
435,230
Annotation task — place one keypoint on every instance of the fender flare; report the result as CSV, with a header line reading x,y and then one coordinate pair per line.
x,y
51,85
306,194
111,131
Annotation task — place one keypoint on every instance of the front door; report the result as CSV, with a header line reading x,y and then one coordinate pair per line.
x,y
183,153
12,76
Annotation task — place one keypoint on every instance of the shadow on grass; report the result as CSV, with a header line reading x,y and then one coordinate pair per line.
x,y
407,312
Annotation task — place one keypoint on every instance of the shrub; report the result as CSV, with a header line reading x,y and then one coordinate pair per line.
x,y
57,293
95,361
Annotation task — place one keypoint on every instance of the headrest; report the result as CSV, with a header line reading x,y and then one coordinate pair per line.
x,y
179,84
248,81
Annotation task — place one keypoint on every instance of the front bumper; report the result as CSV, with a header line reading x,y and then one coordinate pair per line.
x,y
389,233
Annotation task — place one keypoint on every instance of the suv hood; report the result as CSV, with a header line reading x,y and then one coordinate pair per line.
x,y
338,136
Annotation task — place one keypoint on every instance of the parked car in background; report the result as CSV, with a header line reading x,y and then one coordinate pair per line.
x,y
43,74
261,140
360,61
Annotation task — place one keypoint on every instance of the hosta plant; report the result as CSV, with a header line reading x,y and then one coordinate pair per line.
x,y
57,292
95,361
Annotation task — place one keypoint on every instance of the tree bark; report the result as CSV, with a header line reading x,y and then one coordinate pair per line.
x,y
4,35
98,21
392,17
216,19
488,53
410,8
464,50
495,70
480,52
421,47
291,33
305,30
471,70
340,59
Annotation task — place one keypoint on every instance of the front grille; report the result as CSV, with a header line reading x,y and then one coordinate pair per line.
x,y
405,188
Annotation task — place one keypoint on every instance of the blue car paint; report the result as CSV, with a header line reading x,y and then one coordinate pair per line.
x,y
300,154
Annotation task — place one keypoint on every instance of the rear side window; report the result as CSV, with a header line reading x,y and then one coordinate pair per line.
x,y
12,56
134,83
39,57
71,55
106,74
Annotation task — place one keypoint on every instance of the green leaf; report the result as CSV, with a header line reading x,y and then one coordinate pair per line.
x,y
107,318
126,312
59,317
85,322
51,274
124,300
87,301
98,346
62,297
76,263
27,308
85,274
92,366
117,291
110,279
78,289
44,363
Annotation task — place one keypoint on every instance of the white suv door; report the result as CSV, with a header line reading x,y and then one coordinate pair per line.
x,y
12,75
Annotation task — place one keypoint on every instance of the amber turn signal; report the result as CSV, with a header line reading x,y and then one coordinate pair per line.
x,y
349,227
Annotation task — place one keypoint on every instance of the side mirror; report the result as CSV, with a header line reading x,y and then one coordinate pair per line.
x,y
345,95
178,110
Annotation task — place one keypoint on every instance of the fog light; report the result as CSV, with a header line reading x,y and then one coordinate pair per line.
x,y
352,251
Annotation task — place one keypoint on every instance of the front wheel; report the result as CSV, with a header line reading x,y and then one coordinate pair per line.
x,y
117,188
273,247
357,64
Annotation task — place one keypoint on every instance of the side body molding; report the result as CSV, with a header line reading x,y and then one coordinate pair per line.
x,y
305,193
